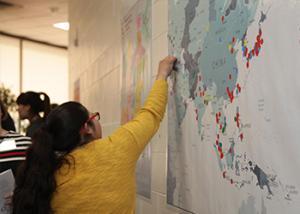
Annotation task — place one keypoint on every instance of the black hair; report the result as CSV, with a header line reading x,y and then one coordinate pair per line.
x,y
36,103
35,180
7,122
53,106
4,112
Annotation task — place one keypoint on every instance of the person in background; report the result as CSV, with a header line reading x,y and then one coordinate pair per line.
x,y
70,168
7,122
13,146
30,105
53,106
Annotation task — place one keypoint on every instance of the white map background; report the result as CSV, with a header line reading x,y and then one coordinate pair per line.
x,y
136,76
234,106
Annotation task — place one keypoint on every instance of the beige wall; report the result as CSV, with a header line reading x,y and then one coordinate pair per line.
x,y
44,68
10,64
95,58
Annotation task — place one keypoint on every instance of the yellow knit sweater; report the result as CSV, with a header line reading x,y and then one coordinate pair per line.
x,y
102,178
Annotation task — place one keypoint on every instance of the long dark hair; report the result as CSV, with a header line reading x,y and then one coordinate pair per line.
x,y
36,102
35,181
4,112
7,122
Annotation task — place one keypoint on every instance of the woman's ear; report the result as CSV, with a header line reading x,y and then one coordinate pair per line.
x,y
86,129
83,129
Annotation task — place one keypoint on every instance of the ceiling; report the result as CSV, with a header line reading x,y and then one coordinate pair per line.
x,y
34,19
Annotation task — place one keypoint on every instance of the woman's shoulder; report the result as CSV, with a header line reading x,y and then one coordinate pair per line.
x,y
34,126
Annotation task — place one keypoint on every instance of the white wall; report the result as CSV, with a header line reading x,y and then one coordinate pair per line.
x,y
96,28
10,64
45,69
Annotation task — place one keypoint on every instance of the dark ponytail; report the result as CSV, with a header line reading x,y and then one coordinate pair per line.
x,y
46,103
35,180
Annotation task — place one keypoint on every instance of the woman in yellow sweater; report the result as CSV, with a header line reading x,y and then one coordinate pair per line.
x,y
71,169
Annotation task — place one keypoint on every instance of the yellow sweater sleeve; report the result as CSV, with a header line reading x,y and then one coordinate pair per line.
x,y
137,133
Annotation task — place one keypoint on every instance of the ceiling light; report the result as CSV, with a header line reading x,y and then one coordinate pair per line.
x,y
62,25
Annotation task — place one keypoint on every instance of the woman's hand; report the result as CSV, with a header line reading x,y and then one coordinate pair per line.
x,y
8,200
165,67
